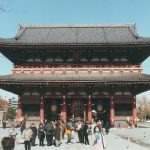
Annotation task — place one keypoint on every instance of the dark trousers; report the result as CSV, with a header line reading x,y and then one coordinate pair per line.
x,y
33,141
49,139
27,145
69,138
80,136
86,139
41,142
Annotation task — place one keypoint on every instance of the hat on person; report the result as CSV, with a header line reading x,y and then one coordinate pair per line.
x,y
99,123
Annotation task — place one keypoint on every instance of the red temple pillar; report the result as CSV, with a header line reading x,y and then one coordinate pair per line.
x,y
112,112
72,109
19,111
89,109
63,109
134,114
42,110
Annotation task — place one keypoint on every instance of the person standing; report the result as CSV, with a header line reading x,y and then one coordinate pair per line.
x,y
8,143
107,127
63,126
86,133
4,124
68,132
80,132
23,126
27,135
41,134
34,130
98,139
49,133
57,134
12,132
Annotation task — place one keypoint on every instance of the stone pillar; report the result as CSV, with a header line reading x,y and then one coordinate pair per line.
x,y
112,112
42,110
89,109
134,114
63,109
19,111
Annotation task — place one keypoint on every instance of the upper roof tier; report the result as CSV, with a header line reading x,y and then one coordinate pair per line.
x,y
124,34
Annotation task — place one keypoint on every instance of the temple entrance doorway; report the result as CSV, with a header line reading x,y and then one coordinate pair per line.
x,y
76,109
102,107
52,109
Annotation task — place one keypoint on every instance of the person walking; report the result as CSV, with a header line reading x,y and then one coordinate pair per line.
x,y
27,135
57,134
98,139
86,133
41,134
34,130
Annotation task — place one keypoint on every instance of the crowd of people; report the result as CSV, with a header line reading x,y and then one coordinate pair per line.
x,y
55,131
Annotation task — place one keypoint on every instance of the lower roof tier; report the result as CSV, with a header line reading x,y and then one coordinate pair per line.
x,y
120,77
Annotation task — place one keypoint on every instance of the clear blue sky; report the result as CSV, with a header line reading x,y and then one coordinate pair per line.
x,y
72,12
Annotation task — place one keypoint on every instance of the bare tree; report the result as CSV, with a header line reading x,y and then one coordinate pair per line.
x,y
144,109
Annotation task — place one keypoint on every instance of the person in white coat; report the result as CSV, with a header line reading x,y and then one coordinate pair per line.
x,y
98,139
27,136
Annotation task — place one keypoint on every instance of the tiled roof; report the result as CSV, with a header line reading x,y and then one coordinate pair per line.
x,y
103,77
76,34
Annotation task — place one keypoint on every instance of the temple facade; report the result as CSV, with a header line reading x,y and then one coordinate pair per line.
x,y
68,71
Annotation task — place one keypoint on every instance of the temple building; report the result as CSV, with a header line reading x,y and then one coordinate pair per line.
x,y
68,71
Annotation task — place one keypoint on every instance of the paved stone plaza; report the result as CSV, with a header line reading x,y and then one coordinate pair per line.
x,y
113,141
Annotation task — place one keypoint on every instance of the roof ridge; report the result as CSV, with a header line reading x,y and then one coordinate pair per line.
x,y
20,33
76,25
133,34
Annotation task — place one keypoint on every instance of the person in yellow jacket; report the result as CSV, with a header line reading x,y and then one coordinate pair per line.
x,y
68,132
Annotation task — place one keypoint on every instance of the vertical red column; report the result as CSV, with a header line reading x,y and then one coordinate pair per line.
x,y
72,109
112,112
89,109
134,114
19,111
63,109
42,110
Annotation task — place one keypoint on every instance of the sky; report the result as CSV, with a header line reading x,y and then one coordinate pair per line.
x,y
15,12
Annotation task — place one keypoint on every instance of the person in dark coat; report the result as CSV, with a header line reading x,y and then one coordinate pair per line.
x,y
80,132
8,143
23,126
49,133
34,130
85,133
57,134
41,134
4,124
107,127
